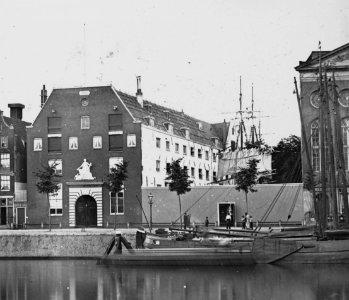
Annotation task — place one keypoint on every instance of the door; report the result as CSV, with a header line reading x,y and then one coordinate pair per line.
x,y
20,216
3,215
223,209
86,212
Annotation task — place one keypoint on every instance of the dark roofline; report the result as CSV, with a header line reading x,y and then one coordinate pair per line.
x,y
304,65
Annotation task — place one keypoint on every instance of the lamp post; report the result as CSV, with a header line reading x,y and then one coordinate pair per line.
x,y
150,198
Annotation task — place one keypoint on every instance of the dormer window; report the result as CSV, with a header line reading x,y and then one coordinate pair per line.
x,y
186,132
215,141
167,114
199,125
150,121
148,107
169,127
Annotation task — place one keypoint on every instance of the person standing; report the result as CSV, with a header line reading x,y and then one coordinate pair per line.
x,y
206,222
228,221
243,222
251,222
247,218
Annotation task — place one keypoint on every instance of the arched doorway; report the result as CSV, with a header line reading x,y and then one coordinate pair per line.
x,y
86,212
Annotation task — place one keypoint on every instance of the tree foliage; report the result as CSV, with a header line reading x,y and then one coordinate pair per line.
x,y
287,160
246,178
178,178
178,181
46,184
116,177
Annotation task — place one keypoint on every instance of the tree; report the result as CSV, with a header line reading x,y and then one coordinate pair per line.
x,y
115,181
287,160
246,178
47,185
178,181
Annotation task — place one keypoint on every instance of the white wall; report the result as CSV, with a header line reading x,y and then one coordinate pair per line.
x,y
150,153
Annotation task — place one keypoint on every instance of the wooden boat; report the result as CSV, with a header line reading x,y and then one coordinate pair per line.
x,y
262,250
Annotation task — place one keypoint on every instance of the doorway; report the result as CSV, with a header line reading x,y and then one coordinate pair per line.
x,y
86,212
223,209
20,216
3,215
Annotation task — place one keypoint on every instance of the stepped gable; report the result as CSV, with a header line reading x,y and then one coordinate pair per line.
x,y
178,119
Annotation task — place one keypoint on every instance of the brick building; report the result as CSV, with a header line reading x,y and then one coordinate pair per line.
x,y
13,169
102,126
335,64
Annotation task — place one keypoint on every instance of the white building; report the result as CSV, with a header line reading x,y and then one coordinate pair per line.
x,y
168,135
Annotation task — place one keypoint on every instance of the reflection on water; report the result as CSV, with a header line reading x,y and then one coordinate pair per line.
x,y
83,279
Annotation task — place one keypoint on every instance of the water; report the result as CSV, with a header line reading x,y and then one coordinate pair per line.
x,y
83,279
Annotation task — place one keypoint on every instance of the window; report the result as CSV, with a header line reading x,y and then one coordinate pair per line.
x,y
167,146
5,183
184,150
5,161
117,203
158,166
214,175
169,127
85,122
177,147
54,144
131,140
151,122
185,169
168,169
214,157
114,161
158,142
116,142
345,138
207,175
206,155
58,163
115,123
37,144
199,153
4,141
73,143
315,143
56,205
200,173
192,151
97,142
192,172
54,125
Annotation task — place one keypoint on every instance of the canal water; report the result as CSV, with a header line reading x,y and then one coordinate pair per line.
x,y
83,279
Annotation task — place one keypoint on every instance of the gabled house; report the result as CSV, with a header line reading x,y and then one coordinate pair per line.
x,y
86,130
13,168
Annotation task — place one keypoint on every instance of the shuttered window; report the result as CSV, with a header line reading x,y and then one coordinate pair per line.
x,y
116,142
115,122
54,125
54,144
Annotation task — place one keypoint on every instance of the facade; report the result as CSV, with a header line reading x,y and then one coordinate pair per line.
x,y
85,131
13,168
335,64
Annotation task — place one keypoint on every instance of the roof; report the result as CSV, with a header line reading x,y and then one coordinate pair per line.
x,y
180,120
16,123
314,57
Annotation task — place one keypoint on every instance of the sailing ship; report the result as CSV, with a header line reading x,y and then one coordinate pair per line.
x,y
324,246
243,143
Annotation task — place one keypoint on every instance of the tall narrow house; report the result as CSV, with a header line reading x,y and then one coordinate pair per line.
x,y
13,171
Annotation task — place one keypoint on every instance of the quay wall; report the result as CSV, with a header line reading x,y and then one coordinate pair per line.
x,y
31,244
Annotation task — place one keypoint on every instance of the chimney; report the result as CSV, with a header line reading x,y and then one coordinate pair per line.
x,y
16,110
139,91
43,95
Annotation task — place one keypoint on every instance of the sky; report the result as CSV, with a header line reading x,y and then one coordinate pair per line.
x,y
190,53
